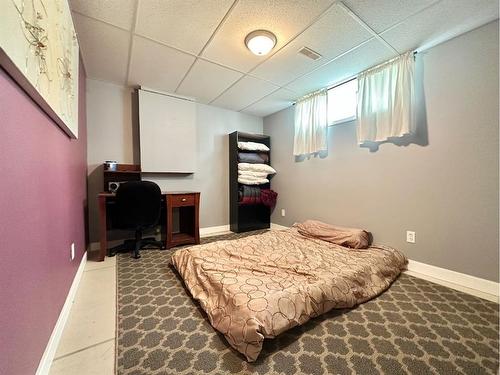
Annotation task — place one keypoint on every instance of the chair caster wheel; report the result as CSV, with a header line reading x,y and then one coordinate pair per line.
x,y
162,247
136,256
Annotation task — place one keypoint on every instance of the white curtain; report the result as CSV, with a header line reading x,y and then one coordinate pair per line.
x,y
385,100
310,123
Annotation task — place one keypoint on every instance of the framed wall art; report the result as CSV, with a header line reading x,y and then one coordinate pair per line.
x,y
39,50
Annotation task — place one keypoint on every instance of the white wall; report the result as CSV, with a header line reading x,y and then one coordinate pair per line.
x,y
113,135
444,185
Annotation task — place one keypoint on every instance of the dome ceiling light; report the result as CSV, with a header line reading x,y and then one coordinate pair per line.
x,y
260,42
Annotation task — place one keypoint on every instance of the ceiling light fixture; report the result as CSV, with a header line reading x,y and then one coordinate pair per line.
x,y
260,42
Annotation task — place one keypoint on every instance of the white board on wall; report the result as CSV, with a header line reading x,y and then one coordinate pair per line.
x,y
167,127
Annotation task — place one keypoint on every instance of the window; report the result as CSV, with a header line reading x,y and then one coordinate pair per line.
x,y
342,101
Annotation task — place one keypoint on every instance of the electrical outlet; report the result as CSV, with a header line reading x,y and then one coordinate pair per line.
x,y
72,251
410,236
283,212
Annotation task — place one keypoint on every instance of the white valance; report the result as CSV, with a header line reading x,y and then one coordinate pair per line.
x,y
310,124
385,100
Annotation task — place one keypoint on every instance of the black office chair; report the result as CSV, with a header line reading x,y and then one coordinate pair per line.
x,y
137,207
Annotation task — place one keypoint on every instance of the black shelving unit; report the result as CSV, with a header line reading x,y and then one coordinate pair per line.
x,y
244,218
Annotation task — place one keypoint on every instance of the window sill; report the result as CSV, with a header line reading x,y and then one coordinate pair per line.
x,y
343,121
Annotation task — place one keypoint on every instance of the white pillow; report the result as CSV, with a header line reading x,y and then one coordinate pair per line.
x,y
252,146
246,181
252,174
253,178
256,168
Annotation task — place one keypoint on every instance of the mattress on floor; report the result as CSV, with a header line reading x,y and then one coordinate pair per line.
x,y
260,286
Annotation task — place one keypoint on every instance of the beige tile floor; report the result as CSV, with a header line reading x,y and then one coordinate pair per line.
x,y
87,344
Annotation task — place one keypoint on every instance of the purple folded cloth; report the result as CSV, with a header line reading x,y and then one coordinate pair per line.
x,y
268,198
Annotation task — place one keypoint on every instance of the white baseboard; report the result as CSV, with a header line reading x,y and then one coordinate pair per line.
x,y
223,229
213,231
460,281
204,232
278,227
55,337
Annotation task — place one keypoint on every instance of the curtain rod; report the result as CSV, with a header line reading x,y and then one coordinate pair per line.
x,y
352,78
370,68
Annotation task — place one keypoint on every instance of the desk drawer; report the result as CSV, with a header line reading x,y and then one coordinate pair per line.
x,y
180,200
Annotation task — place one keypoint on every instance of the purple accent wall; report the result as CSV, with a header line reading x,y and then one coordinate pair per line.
x,y
42,211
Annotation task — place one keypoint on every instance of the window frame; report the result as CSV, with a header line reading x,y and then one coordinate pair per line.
x,y
347,119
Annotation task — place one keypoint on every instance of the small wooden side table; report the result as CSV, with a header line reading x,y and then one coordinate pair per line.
x,y
188,204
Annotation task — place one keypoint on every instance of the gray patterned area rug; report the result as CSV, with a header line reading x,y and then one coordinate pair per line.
x,y
415,327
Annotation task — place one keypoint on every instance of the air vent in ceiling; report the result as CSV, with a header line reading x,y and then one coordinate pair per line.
x,y
309,53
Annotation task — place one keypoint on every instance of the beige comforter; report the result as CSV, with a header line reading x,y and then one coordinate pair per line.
x,y
260,286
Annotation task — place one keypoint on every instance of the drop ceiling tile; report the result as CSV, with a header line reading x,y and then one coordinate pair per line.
x,y
157,66
369,54
381,14
245,92
184,24
285,18
335,33
104,49
275,102
117,12
441,22
206,81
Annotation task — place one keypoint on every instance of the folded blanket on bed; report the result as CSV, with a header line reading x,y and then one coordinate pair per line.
x,y
252,146
256,168
253,158
348,237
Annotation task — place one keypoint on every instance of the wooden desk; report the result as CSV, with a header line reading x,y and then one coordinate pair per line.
x,y
187,202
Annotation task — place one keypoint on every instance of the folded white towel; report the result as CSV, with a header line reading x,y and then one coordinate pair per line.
x,y
252,146
247,181
252,178
256,168
252,174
